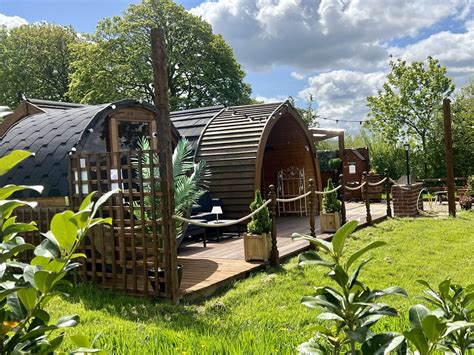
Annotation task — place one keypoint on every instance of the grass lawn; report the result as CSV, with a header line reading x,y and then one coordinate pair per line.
x,y
263,314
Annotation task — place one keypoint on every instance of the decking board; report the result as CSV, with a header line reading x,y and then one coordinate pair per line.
x,y
207,269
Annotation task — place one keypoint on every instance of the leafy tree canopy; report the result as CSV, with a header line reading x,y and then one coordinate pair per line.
x,y
407,105
115,63
34,61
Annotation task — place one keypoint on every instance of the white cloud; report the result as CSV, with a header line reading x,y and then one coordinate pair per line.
x,y
12,21
455,50
321,34
341,94
298,75
268,100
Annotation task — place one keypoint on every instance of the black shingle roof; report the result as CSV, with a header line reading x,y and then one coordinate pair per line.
x,y
191,123
50,136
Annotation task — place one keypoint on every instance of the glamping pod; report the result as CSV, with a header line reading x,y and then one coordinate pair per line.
x,y
250,147
52,130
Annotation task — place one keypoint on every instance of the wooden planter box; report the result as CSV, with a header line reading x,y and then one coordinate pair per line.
x,y
330,222
257,247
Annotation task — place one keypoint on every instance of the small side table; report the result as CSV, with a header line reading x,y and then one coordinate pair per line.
x,y
222,221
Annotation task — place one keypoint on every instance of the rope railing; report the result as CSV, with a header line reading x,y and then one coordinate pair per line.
x,y
378,183
293,199
220,225
327,192
240,220
395,183
355,188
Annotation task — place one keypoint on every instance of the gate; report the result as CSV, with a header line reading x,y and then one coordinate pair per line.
x,y
291,183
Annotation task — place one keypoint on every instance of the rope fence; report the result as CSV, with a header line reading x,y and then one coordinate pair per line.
x,y
378,183
355,188
293,199
220,225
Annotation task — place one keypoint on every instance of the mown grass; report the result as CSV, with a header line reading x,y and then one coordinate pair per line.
x,y
263,314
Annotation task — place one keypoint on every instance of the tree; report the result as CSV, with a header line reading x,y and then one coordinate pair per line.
x,y
115,62
463,130
34,61
407,105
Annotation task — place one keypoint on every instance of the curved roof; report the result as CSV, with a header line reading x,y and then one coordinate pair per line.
x,y
233,145
51,136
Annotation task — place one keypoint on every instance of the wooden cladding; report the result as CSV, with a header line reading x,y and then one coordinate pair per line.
x,y
132,255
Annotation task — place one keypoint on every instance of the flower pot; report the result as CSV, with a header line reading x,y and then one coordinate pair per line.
x,y
330,222
161,274
257,246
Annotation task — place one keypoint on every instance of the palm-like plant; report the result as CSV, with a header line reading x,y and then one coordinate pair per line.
x,y
188,178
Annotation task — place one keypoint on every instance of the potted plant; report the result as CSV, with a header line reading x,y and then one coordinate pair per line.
x,y
258,240
331,214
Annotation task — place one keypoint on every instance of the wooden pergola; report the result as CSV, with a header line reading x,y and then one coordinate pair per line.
x,y
321,134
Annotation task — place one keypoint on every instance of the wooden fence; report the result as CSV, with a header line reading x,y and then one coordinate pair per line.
x,y
133,255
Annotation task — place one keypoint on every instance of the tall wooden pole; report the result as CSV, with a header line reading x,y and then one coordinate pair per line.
x,y
274,254
160,76
312,208
448,143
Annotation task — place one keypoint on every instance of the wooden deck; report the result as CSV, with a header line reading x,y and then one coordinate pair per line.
x,y
207,269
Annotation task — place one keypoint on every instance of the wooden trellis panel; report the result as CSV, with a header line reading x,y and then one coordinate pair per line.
x,y
133,254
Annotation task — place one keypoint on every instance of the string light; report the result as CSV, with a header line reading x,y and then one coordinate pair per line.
x,y
337,120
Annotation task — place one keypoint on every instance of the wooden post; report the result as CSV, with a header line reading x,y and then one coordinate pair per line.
x,y
274,254
387,193
448,143
367,200
160,75
312,208
342,193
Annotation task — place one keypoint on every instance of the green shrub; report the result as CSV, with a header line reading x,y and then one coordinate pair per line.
x,y
330,202
261,221
26,288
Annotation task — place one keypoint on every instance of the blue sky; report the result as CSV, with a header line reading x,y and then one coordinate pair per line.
x,y
335,51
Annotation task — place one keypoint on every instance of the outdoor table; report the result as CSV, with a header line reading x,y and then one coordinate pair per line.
x,y
222,221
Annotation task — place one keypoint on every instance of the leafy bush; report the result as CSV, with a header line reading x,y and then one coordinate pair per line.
x,y
330,202
448,328
353,309
335,163
26,288
261,221
352,306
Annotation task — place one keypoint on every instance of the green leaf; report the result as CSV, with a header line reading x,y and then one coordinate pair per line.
x,y
5,293
339,238
87,202
312,258
455,326
102,199
27,296
80,340
41,280
64,231
355,274
432,327
362,251
382,344
339,275
326,246
9,161
417,338
330,316
416,315
68,321
47,250
8,190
